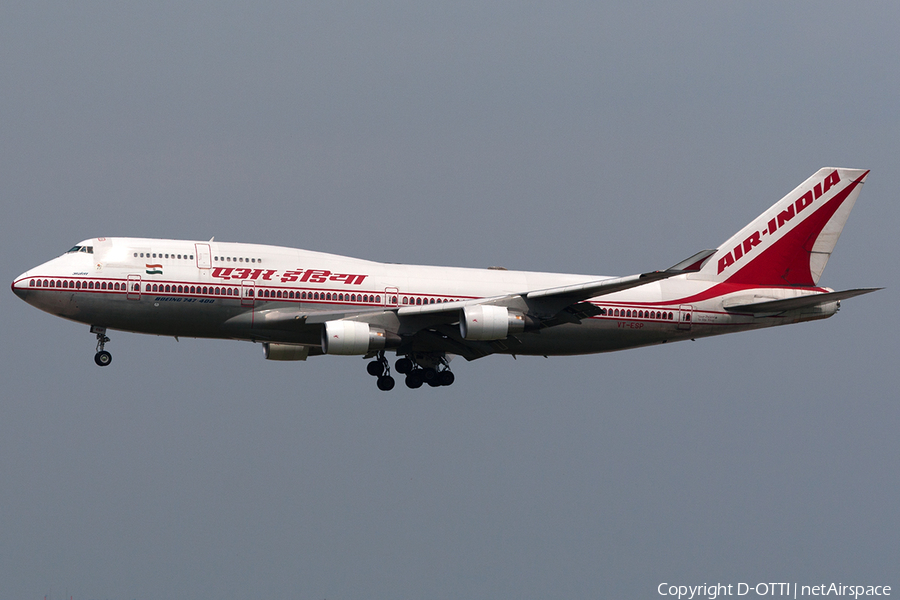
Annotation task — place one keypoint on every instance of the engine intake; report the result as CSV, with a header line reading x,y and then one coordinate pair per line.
x,y
351,338
483,322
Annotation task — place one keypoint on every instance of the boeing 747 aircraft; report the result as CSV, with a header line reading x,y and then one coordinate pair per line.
x,y
299,303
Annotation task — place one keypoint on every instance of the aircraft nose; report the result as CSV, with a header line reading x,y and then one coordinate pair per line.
x,y
20,285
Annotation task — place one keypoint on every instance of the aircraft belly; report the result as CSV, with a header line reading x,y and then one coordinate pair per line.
x,y
593,336
607,335
150,314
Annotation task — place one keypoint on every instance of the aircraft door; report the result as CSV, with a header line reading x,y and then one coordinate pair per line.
x,y
391,296
204,256
248,292
685,316
133,287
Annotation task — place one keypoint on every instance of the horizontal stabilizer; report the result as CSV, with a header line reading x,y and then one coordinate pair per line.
x,y
798,302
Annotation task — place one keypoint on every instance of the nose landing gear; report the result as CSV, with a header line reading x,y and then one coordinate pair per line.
x,y
102,357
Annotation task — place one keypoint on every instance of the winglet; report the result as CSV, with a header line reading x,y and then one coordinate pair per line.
x,y
694,263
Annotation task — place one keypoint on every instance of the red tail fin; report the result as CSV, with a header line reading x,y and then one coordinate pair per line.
x,y
790,243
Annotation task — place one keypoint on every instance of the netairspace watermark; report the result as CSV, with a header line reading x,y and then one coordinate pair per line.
x,y
793,590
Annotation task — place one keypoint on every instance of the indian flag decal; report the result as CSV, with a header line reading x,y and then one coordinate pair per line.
x,y
154,269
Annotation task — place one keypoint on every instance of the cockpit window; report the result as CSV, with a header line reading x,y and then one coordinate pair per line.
x,y
86,249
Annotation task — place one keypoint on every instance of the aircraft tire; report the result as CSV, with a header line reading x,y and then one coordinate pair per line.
x,y
103,358
385,383
403,366
429,374
446,378
414,379
375,368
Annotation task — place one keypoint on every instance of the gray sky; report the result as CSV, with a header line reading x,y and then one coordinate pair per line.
x,y
562,137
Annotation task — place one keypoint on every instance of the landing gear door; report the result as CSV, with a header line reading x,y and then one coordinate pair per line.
x,y
133,289
685,316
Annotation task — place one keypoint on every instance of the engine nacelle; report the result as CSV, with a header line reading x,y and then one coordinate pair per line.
x,y
285,351
351,338
483,322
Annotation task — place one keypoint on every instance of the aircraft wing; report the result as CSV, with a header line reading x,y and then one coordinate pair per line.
x,y
547,303
432,324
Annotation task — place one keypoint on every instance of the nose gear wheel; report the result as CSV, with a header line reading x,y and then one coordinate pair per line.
x,y
102,358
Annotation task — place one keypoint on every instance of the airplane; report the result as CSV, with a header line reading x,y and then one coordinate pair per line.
x,y
300,303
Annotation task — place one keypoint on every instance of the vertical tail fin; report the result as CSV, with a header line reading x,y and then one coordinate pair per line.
x,y
790,243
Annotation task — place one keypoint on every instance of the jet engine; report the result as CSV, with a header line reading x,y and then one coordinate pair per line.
x,y
285,351
483,322
351,337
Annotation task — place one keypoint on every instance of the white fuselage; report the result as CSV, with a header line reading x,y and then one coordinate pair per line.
x,y
197,289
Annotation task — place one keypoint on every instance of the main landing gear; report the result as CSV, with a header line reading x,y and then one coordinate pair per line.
x,y
382,370
431,370
435,372
102,357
